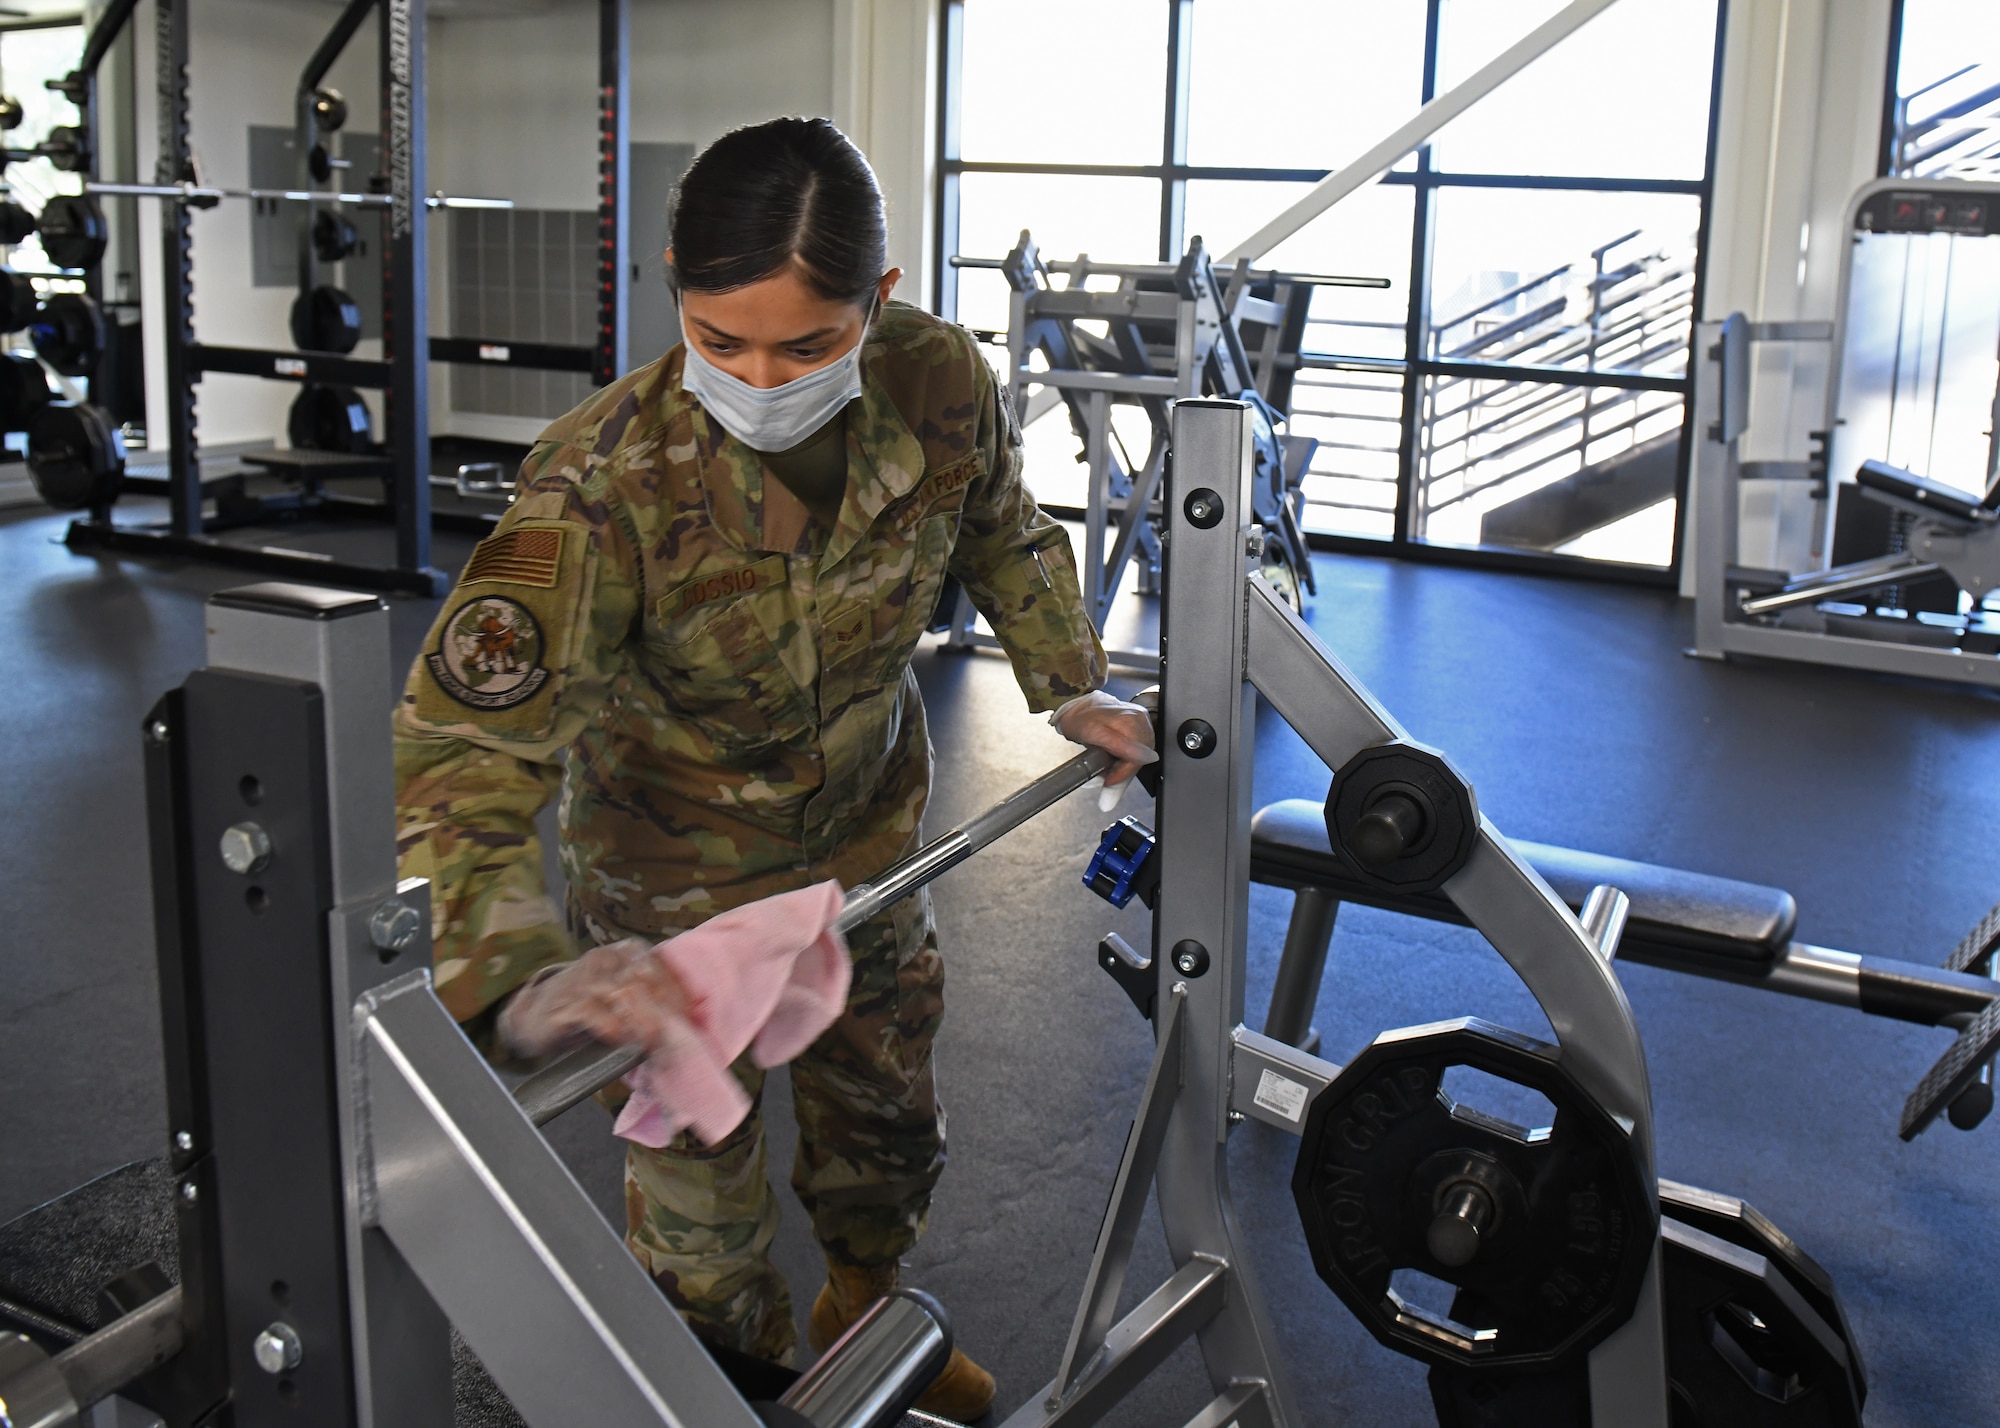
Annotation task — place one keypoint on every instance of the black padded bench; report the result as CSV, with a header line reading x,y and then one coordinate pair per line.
x,y
1692,922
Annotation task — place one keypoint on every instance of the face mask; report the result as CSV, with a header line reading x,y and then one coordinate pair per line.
x,y
774,418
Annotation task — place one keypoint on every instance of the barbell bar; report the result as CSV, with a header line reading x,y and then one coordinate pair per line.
x,y
205,193
582,1073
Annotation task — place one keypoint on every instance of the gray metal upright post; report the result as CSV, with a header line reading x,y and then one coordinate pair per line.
x,y
170,81
406,341
1200,927
614,182
339,642
1714,490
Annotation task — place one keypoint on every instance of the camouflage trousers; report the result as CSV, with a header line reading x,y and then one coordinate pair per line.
x,y
701,1219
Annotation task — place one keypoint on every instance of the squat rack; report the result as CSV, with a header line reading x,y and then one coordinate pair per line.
x,y
401,374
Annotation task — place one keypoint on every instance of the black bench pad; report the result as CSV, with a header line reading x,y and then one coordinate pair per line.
x,y
1676,916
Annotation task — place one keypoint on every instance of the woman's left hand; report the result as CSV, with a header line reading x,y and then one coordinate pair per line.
x,y
1099,720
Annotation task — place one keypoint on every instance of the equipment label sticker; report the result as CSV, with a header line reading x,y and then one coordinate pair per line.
x,y
490,655
1280,1095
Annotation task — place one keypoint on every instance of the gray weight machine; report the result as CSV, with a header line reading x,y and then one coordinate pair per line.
x,y
1905,490
1168,331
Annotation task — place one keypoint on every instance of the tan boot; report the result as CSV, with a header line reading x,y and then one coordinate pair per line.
x,y
962,1392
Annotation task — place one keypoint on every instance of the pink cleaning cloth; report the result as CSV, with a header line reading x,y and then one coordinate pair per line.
x,y
768,977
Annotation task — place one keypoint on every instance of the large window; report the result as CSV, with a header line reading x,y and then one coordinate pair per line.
x,y
1944,100
1521,383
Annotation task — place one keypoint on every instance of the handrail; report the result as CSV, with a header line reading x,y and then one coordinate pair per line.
x,y
1970,145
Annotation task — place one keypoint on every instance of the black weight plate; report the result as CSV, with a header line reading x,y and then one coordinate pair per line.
x,y
329,109
326,320
18,300
1731,1220
325,417
76,456
73,231
333,237
24,391
17,225
67,148
1425,775
1744,1349
1560,1265
68,333
12,112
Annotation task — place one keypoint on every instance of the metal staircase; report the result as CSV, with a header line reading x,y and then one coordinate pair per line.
x,y
1520,461
1958,133
1540,463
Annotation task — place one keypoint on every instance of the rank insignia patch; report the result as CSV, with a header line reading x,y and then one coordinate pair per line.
x,y
490,655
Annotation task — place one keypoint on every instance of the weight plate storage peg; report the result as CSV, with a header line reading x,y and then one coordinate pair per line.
x,y
76,456
1544,1232
326,320
73,231
68,333
1744,1349
328,417
24,391
1402,817
329,109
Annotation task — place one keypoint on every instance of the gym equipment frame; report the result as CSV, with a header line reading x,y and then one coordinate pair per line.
x,y
1173,330
1826,616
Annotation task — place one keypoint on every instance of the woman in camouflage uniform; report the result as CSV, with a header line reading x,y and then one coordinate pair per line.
x,y
697,618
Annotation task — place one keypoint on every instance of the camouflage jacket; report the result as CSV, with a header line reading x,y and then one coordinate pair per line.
x,y
722,689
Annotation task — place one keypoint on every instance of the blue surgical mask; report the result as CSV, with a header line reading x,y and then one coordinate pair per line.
x,y
774,418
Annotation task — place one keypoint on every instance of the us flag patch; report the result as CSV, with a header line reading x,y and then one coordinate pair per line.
x,y
519,557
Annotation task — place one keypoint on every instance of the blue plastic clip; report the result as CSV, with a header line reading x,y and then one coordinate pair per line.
x,y
1121,855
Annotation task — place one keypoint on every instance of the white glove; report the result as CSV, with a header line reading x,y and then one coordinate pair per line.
x,y
1100,720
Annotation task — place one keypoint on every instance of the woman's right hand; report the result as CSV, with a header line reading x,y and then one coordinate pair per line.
x,y
622,994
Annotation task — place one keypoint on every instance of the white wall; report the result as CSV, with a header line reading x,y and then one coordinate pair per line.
x,y
1799,131
885,93
513,111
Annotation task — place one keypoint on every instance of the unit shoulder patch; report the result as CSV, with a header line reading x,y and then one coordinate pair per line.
x,y
490,653
525,555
